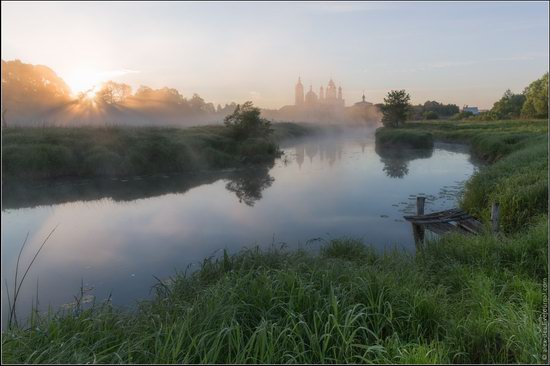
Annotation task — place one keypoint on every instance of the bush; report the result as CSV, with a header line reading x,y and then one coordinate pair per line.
x,y
486,116
102,162
431,115
386,137
245,122
462,115
255,150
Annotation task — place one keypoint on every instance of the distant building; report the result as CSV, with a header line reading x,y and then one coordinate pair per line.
x,y
363,102
330,96
299,93
473,110
326,107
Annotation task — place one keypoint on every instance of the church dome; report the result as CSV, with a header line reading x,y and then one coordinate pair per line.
x,y
311,97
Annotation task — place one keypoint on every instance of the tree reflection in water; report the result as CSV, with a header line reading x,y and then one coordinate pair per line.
x,y
248,184
396,159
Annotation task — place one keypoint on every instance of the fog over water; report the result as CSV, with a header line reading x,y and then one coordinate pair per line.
x,y
115,235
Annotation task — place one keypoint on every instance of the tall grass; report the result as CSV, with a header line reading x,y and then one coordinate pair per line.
x,y
463,300
387,137
18,282
53,152
518,175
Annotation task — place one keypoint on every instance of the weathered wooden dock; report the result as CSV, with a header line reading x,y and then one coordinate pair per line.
x,y
442,222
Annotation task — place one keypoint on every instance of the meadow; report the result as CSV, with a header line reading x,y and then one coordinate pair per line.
x,y
55,152
463,299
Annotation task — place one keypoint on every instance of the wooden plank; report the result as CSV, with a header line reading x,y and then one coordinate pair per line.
x,y
440,219
436,215
442,213
439,215
473,226
441,228
455,219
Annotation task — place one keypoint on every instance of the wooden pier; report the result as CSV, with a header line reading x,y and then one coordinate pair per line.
x,y
442,222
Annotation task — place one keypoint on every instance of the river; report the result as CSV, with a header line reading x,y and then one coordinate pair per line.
x,y
113,236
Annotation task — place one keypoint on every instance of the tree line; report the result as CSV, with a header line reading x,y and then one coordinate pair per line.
x,y
531,104
33,93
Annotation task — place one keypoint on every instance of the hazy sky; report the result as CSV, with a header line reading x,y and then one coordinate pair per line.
x,y
462,53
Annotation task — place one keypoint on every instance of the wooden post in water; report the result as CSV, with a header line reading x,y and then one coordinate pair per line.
x,y
418,230
420,205
495,211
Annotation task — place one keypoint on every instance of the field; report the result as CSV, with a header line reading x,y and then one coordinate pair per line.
x,y
55,152
464,299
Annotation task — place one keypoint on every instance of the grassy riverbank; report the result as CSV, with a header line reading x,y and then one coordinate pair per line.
x,y
464,299
518,175
54,152
409,138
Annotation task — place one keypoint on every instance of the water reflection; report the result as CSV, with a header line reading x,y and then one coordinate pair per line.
x,y
127,231
329,149
396,160
31,195
248,184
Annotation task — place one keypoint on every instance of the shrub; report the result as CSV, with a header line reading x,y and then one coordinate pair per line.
x,y
431,115
404,138
462,115
245,122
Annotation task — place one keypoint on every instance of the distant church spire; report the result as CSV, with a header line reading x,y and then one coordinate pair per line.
x,y
299,93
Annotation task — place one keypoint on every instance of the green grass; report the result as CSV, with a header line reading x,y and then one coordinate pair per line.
x,y
399,137
54,152
462,300
518,175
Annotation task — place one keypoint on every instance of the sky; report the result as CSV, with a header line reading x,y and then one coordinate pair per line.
x,y
452,52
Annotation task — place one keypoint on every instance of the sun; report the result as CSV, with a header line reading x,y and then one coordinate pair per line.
x,y
83,80
91,93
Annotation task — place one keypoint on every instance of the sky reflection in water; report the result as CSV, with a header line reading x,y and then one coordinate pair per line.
x,y
114,236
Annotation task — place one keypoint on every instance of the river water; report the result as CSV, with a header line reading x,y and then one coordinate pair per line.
x,y
113,236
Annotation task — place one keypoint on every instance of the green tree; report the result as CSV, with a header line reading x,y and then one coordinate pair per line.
x,y
509,106
395,108
245,122
462,115
536,99
431,115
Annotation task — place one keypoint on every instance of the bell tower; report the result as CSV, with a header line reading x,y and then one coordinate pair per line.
x,y
299,93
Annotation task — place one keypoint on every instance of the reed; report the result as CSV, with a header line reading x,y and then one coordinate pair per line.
x,y
462,300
